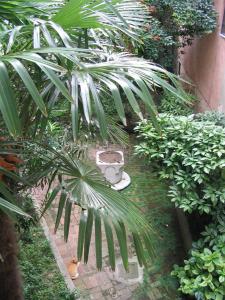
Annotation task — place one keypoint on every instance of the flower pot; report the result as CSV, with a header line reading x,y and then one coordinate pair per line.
x,y
111,164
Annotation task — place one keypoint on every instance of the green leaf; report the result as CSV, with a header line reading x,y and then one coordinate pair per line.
x,y
98,108
88,233
117,98
122,239
62,201
74,107
139,249
127,88
50,199
8,103
28,82
11,207
4,191
57,82
98,240
67,219
82,229
14,176
75,13
110,242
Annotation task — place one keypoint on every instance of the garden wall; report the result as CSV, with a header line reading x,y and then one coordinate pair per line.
x,y
204,63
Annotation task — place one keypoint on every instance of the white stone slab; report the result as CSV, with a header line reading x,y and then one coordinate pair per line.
x,y
125,181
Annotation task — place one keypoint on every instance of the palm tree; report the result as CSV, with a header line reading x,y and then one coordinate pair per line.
x,y
75,51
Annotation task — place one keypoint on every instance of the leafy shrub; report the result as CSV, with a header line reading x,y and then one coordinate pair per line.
x,y
171,19
191,155
173,105
217,118
203,274
42,278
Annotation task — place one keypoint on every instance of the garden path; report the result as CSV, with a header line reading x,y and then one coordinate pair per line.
x,y
92,284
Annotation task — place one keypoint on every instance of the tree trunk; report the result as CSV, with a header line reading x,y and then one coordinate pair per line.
x,y
10,279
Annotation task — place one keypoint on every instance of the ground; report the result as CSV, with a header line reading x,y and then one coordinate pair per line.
x,y
150,195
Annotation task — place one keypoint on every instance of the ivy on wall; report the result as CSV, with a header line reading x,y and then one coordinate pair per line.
x,y
171,19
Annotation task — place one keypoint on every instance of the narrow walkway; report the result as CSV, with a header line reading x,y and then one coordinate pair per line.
x,y
92,284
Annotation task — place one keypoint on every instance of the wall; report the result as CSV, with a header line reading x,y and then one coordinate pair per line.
x,y
204,64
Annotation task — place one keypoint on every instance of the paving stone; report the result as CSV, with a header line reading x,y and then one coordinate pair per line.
x,y
97,296
106,286
92,282
120,286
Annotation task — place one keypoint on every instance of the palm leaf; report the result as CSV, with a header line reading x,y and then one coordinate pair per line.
x,y
68,209
8,103
82,228
110,242
28,82
18,11
61,205
85,188
127,17
122,239
88,233
7,206
98,240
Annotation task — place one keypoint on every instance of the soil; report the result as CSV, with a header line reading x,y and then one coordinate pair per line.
x,y
110,157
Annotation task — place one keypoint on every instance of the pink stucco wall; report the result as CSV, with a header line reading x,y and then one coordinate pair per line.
x,y
204,64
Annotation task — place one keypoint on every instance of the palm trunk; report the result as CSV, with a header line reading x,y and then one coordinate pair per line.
x,y
10,279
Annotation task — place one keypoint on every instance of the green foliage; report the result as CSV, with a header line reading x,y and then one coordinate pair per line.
x,y
191,155
42,64
173,19
217,118
151,196
203,274
173,105
42,278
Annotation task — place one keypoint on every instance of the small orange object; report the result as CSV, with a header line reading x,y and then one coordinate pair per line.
x,y
73,268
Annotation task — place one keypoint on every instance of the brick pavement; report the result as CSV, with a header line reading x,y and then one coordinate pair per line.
x,y
91,283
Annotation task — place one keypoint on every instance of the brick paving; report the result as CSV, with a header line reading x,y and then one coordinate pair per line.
x,y
93,284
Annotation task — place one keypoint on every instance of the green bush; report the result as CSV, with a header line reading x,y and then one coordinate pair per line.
x,y
191,155
173,105
172,19
217,118
203,274
41,276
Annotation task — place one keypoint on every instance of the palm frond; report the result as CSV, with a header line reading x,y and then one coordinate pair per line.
x,y
10,208
20,11
124,77
127,17
8,103
83,186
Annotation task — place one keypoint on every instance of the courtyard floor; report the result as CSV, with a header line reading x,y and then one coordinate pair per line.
x,y
92,283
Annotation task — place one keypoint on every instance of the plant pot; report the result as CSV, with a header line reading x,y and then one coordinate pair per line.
x,y
111,164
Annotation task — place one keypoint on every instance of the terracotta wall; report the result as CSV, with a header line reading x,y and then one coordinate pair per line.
x,y
204,63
